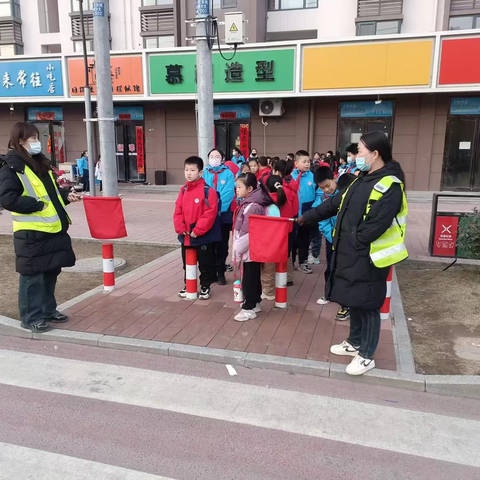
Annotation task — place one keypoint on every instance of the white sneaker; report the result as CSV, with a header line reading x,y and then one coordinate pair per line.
x,y
245,315
345,348
360,365
268,297
323,301
313,260
258,308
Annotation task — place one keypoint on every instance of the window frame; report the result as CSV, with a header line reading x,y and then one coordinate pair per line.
x,y
474,16
375,23
280,9
157,37
223,6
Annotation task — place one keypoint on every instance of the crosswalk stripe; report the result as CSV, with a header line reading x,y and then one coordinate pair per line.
x,y
404,431
18,462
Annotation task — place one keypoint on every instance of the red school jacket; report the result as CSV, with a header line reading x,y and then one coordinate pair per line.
x,y
286,211
263,173
291,189
192,214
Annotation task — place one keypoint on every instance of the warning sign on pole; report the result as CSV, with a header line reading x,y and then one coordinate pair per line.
x,y
234,28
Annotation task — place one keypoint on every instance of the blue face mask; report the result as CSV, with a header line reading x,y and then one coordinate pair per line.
x,y
362,165
35,148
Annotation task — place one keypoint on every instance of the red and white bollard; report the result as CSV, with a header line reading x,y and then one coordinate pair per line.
x,y
385,310
108,267
191,273
281,285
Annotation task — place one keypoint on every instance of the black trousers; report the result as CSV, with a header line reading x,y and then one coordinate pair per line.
x,y
86,180
251,285
303,243
36,297
221,248
365,330
206,263
328,270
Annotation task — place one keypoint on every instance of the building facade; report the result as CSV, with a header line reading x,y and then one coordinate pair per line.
x,y
297,83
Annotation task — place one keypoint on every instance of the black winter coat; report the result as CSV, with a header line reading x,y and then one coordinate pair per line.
x,y
37,252
355,281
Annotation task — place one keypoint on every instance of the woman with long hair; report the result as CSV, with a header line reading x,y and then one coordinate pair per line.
x,y
368,238
40,223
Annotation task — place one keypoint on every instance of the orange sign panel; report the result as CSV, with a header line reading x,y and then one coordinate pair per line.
x,y
127,77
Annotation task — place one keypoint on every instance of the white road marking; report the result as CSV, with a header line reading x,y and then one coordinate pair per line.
x,y
405,431
22,463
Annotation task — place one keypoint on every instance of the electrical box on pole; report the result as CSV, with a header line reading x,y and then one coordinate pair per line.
x,y
234,32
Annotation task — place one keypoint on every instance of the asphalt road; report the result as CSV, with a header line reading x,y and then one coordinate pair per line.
x,y
78,412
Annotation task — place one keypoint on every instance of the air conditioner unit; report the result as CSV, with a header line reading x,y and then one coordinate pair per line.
x,y
271,107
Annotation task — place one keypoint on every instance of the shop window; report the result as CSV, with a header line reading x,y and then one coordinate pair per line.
x,y
464,23
291,4
379,28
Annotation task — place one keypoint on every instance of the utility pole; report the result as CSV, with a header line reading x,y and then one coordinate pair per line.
x,y
88,110
106,118
204,79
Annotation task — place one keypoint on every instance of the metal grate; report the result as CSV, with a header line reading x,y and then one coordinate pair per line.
x,y
459,5
10,32
377,8
161,21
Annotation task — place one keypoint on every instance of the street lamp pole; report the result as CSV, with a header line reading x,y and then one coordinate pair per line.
x,y
88,109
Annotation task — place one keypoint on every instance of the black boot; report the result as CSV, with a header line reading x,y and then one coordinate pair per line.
x,y
221,278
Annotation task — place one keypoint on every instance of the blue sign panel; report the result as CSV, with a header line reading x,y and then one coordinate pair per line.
x,y
231,112
98,9
44,113
42,78
465,106
203,8
128,113
366,109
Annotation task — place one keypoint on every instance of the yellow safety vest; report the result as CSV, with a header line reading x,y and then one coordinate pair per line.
x,y
390,248
47,220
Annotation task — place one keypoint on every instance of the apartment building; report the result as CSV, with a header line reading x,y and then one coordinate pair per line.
x,y
312,74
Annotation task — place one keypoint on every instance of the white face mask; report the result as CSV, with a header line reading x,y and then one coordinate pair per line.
x,y
35,148
215,162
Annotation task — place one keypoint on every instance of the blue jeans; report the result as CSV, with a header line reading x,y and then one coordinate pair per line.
x,y
36,297
365,330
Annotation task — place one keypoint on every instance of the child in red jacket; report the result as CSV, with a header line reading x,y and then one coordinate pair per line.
x,y
197,221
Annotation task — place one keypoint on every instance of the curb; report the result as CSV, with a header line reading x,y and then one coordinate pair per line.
x,y
455,385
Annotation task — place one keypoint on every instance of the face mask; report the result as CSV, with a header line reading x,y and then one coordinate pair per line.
x,y
35,148
234,154
350,160
214,162
362,164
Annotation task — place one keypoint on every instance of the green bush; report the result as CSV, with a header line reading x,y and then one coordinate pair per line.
x,y
468,241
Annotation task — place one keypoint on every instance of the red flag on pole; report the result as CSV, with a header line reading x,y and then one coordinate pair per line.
x,y
268,238
105,217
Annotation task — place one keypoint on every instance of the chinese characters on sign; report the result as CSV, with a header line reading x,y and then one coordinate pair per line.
x,y
265,71
23,79
445,242
174,74
244,138
126,74
234,72
140,151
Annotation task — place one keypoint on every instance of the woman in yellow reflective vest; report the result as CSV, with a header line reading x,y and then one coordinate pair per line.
x,y
40,223
368,238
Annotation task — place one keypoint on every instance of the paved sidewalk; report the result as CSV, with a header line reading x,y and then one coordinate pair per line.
x,y
146,306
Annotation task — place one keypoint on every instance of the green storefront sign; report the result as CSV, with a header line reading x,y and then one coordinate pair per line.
x,y
270,70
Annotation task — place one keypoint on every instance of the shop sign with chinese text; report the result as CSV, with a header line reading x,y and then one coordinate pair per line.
x,y
269,70
31,78
126,72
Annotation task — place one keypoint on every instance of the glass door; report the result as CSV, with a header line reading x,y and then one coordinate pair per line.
x,y
130,152
221,139
52,138
461,171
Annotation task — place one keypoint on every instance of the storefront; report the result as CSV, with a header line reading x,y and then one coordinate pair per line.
x,y
357,118
232,128
462,147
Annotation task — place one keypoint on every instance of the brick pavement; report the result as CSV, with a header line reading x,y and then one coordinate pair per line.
x,y
147,306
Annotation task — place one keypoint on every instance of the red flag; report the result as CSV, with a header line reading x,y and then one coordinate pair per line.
x,y
105,217
268,238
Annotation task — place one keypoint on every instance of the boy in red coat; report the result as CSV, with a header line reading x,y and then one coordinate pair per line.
x,y
197,221
264,170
